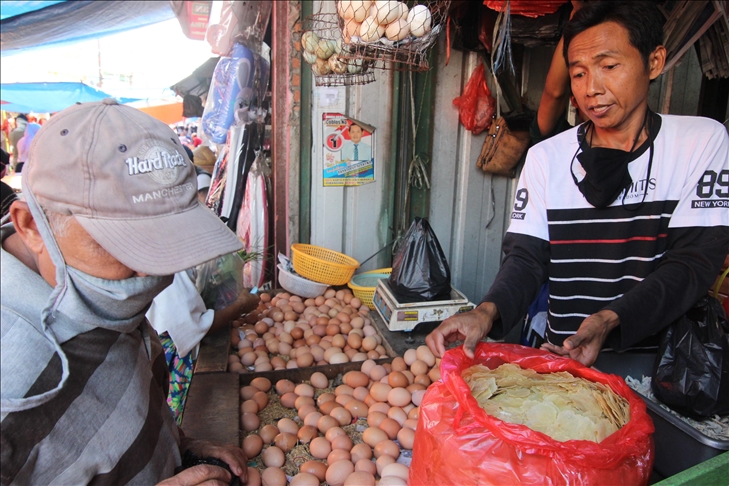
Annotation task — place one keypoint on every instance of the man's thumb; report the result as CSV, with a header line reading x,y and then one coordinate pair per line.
x,y
572,342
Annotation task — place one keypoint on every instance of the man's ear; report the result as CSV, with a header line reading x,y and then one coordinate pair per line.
x,y
656,62
25,226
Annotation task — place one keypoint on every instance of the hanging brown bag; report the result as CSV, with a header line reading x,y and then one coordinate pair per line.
x,y
502,149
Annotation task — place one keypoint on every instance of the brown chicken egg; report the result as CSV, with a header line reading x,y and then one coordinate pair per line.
x,y
342,442
319,380
284,386
390,427
304,479
288,400
250,421
273,476
373,436
365,465
312,418
320,447
383,461
341,415
338,455
360,478
316,468
252,445
397,380
268,432
287,425
273,457
406,438
285,441
334,432
307,433
387,447
360,451
356,379
254,477
338,472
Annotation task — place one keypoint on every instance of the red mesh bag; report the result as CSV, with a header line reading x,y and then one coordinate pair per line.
x,y
456,442
527,8
476,106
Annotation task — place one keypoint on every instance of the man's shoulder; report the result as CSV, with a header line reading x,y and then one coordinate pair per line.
x,y
682,127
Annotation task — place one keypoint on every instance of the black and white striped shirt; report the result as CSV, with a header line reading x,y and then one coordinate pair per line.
x,y
648,262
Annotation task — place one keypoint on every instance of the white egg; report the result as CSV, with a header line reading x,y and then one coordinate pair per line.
x,y
387,11
371,30
419,19
397,30
354,9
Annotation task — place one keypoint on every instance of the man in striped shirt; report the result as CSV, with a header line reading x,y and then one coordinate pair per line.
x,y
626,216
83,377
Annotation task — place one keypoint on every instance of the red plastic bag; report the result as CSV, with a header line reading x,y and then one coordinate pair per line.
x,y
527,8
456,442
476,106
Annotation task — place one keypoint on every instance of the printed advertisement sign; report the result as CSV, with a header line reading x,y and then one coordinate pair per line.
x,y
349,151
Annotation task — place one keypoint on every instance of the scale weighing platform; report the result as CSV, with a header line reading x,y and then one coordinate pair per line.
x,y
404,317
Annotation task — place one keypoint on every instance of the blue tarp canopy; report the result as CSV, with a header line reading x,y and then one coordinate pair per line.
x,y
12,8
49,97
26,25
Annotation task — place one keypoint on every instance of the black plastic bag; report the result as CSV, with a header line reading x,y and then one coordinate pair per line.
x,y
420,271
692,366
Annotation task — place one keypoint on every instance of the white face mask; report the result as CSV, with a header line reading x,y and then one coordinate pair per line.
x,y
80,303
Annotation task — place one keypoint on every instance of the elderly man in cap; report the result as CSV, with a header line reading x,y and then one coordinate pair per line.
x,y
110,213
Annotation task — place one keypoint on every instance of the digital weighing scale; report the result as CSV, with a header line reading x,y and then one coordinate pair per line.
x,y
404,317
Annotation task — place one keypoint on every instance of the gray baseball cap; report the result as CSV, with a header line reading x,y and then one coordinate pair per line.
x,y
129,183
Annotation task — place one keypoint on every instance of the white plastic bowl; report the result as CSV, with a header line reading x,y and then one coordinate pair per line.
x,y
303,287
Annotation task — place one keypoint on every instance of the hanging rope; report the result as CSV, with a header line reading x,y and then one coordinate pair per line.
x,y
417,169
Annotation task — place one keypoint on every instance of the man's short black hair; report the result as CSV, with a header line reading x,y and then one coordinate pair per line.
x,y
641,18
356,125
22,116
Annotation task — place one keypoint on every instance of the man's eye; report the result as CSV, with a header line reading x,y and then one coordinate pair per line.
x,y
611,66
578,75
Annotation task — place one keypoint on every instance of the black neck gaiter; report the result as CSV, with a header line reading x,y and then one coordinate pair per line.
x,y
606,169
606,175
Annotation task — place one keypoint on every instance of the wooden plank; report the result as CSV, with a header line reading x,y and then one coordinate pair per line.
x,y
211,411
213,354
298,375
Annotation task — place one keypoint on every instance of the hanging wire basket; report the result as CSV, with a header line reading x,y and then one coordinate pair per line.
x,y
323,48
390,34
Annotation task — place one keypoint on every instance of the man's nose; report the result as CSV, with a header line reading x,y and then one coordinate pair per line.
x,y
595,84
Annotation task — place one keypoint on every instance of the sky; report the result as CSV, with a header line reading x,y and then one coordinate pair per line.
x,y
156,57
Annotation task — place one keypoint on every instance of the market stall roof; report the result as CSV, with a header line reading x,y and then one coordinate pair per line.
x,y
49,97
11,8
25,25
167,111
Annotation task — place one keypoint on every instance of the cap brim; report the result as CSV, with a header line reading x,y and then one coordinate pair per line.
x,y
164,245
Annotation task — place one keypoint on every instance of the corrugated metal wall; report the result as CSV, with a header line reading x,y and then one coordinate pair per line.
x,y
469,210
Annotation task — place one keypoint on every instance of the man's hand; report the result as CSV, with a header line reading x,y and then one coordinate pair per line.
x,y
247,301
584,346
200,475
230,454
469,327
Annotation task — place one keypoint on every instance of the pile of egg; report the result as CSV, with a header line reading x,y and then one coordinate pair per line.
x,y
388,396
286,331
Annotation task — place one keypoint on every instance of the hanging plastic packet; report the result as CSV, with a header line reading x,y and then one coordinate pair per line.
x,y
220,281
